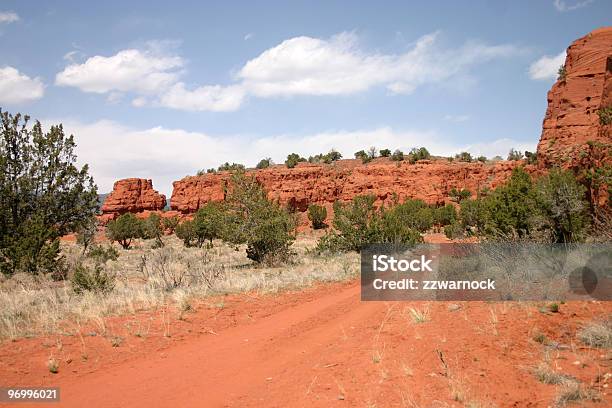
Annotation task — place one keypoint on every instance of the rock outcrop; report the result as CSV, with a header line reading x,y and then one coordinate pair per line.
x,y
132,195
574,100
308,184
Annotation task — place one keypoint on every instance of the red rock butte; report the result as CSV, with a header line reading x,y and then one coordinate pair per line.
x,y
571,121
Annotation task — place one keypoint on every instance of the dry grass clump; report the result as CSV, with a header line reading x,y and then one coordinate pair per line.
x,y
148,278
572,391
597,334
545,374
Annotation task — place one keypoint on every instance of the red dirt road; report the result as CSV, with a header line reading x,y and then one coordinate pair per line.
x,y
323,347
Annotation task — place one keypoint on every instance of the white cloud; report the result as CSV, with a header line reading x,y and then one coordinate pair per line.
x,y
18,88
132,70
8,17
563,6
337,66
248,36
115,151
297,66
214,98
546,67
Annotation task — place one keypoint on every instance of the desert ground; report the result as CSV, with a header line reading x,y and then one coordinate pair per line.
x,y
296,335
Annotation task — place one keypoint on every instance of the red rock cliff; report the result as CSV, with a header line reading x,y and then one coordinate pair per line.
x,y
133,195
574,100
307,184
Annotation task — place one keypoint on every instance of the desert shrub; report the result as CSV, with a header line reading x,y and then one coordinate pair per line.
x,y
43,195
597,334
445,215
561,73
417,154
92,279
317,215
124,229
293,159
372,152
397,155
100,254
264,163
358,224
515,155
454,230
86,233
532,158
385,153
231,167
208,223
482,159
415,214
399,226
560,200
473,214
267,229
511,208
464,157
605,115
186,232
328,158
152,229
459,195
170,223
361,154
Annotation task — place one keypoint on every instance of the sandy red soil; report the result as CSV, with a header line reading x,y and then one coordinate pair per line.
x,y
317,347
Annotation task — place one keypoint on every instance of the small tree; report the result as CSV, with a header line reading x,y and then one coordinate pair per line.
x,y
264,163
43,195
231,167
208,223
397,155
532,158
317,215
473,214
293,159
265,227
464,157
605,115
459,195
417,154
515,155
124,229
185,232
372,152
385,153
482,159
170,223
333,155
561,73
445,215
152,229
86,234
561,201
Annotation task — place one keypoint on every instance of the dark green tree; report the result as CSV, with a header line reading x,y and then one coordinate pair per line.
x,y
293,159
385,153
317,215
43,194
125,229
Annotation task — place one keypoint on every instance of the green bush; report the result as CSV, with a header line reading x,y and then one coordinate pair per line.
x,y
152,229
561,73
231,167
208,223
482,159
293,159
459,195
397,155
92,279
473,214
101,255
561,202
464,157
43,195
124,230
515,155
445,215
454,230
328,158
532,158
185,232
264,163
317,215
170,223
358,224
385,153
605,115
417,154
414,214
250,218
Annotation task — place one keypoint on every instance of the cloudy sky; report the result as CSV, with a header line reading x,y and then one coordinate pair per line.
x,y
159,89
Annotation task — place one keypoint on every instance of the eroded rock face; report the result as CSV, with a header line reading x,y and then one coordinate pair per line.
x,y
307,184
573,102
132,195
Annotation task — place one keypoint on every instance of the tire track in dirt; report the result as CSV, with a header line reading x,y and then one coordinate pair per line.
x,y
219,370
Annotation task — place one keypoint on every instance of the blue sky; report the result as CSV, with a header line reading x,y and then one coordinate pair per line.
x,y
160,90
